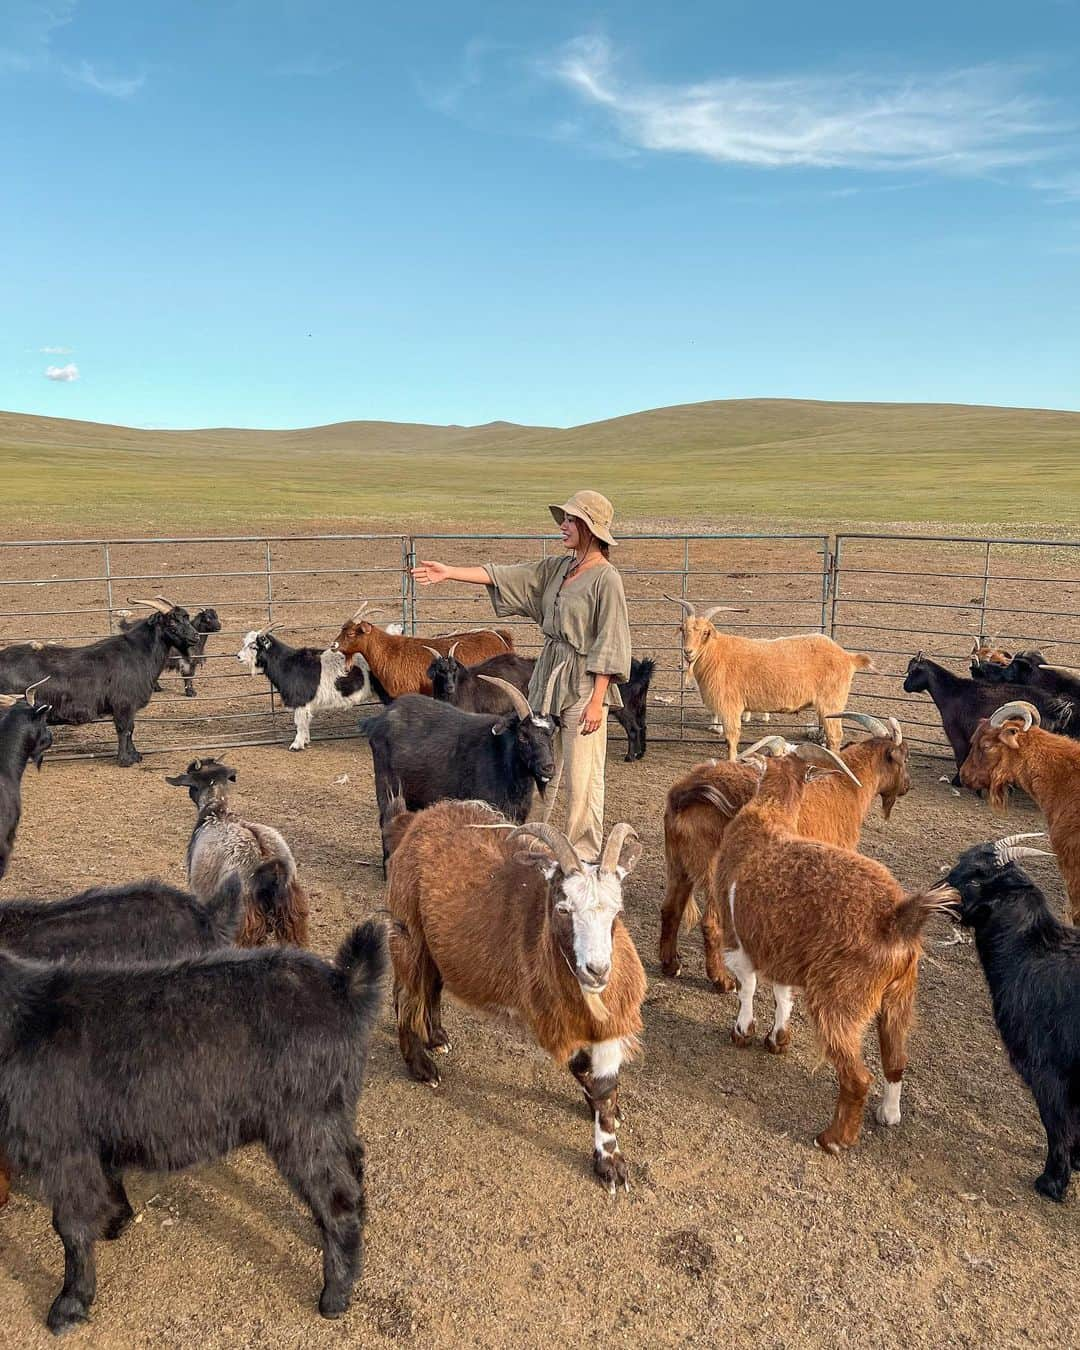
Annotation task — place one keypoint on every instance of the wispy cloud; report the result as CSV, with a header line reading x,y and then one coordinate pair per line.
x,y
88,76
969,121
55,351
1064,187
27,30
64,374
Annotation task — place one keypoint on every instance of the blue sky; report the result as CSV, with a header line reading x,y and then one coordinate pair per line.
x,y
289,212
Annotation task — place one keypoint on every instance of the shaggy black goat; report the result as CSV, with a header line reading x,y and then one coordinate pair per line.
x,y
632,715
163,1066
425,751
204,622
1032,966
24,738
111,678
465,688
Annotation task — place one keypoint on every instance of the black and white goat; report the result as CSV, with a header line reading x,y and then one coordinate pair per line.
x,y
307,679
205,622
24,739
160,1067
1031,961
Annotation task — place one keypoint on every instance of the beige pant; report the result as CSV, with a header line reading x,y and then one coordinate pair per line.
x,y
583,772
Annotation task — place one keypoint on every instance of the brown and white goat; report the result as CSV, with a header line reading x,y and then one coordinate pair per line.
x,y
400,663
766,675
832,811
511,920
222,843
1012,750
836,925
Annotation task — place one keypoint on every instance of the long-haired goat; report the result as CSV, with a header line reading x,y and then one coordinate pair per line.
x,y
275,904
766,675
400,663
24,739
1032,966
832,811
163,1066
205,622
1012,750
463,686
512,920
837,926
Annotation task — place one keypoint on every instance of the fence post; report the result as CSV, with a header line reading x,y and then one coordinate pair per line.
x,y
270,618
834,588
985,592
108,585
407,556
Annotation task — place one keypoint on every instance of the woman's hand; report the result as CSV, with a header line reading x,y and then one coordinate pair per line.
x,y
430,573
592,715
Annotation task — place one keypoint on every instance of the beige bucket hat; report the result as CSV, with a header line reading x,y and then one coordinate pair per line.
x,y
591,507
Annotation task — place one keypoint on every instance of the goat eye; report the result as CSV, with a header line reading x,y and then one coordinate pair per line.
x,y
563,908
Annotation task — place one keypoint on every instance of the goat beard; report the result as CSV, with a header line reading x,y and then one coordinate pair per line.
x,y
595,1005
999,794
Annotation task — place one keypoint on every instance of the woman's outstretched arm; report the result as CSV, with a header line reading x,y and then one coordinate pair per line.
x,y
431,573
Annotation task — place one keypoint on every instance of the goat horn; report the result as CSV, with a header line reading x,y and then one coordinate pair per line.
x,y
454,646
874,725
28,692
437,655
561,847
768,745
1019,708
549,689
729,609
9,700
1010,848
976,647
513,693
359,612
609,859
1063,670
819,754
162,606
896,729
691,612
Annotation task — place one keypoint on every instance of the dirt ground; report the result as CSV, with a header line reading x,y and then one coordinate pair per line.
x,y
486,1228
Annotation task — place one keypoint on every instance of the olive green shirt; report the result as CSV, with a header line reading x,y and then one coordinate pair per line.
x,y
584,624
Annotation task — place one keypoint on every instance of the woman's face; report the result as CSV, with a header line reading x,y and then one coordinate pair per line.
x,y
573,534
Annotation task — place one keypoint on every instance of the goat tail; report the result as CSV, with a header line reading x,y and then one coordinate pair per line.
x,y
224,910
863,662
280,902
396,820
363,959
691,916
698,794
914,912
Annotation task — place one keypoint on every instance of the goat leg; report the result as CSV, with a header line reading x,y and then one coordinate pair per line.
x,y
1053,1181
715,941
122,1213
605,1059
124,722
76,1220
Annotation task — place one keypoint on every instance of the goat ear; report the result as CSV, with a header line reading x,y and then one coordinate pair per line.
x,y
181,780
539,858
39,710
232,775
1009,736
503,724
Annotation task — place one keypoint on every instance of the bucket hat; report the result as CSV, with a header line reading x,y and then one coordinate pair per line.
x,y
591,507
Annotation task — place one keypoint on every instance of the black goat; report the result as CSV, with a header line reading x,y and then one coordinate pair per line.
x,y
963,703
205,622
114,677
425,751
1032,670
1032,966
632,715
163,1066
465,687
24,738
308,679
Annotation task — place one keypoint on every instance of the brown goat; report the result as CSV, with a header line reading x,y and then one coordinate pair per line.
x,y
809,916
986,649
1012,750
832,811
400,663
766,675
511,920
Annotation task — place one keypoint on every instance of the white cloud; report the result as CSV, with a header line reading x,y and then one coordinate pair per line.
x,y
27,29
55,351
65,374
960,121
114,86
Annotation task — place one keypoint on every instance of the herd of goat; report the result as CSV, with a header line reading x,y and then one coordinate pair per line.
x,y
143,1026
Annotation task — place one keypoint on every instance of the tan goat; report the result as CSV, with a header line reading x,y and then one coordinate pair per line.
x,y
766,675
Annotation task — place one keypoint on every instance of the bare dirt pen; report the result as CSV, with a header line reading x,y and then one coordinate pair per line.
x,y
486,1228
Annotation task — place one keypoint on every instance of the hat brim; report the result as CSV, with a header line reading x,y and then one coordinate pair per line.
x,y
561,512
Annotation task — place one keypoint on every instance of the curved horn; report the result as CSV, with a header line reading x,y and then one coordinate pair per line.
x,y
9,700
768,745
729,609
560,846
874,725
1018,708
976,647
28,693
512,692
895,730
1010,848
549,689
359,612
691,612
609,859
818,754
162,606
455,645
1064,670
437,655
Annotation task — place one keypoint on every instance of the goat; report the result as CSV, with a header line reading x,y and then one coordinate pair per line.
x,y
223,843
633,713
1011,749
205,622
465,687
24,739
534,931
1032,670
986,653
832,811
163,1066
307,680
400,663
143,921
829,922
1032,966
424,751
963,703
114,677
766,675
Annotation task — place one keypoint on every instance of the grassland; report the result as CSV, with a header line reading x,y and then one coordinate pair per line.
x,y
740,460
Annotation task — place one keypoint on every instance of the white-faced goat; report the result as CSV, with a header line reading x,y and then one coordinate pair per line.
x,y
24,739
160,1067
224,843
307,679
512,920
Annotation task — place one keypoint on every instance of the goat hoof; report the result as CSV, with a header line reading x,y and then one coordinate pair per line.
x,y
777,1042
440,1043
65,1314
333,1302
118,1225
296,747
611,1171
884,1116
126,761
672,969
828,1144
722,984
742,1038
1053,1188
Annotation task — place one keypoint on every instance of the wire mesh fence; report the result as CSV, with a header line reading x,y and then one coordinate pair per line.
x,y
887,595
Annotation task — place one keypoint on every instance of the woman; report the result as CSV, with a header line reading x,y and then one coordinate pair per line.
x,y
578,602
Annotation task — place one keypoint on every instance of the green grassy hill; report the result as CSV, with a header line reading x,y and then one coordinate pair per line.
x,y
737,460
